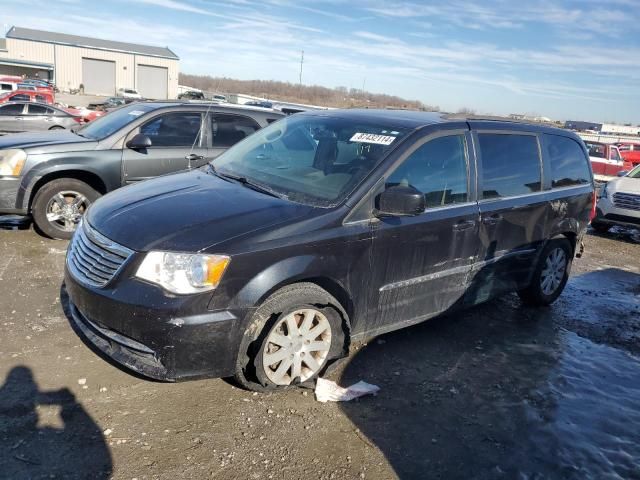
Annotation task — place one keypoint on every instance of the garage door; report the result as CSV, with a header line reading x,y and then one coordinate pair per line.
x,y
152,82
99,76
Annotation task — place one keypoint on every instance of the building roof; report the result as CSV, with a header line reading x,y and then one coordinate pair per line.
x,y
20,33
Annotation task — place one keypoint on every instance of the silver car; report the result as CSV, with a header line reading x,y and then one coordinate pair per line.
x,y
34,117
619,203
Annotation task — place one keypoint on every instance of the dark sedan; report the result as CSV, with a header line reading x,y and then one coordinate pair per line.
x,y
18,117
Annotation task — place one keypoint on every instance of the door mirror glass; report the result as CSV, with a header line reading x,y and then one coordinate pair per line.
x,y
139,142
400,200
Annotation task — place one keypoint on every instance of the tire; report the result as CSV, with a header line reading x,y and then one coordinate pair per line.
x,y
268,332
600,227
59,205
549,278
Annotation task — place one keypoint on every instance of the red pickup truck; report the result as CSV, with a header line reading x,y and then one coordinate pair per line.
x,y
606,160
630,152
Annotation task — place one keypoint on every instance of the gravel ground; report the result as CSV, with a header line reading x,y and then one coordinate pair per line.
x,y
500,391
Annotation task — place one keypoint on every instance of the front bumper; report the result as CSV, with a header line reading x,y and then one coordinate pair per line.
x,y
163,337
608,214
9,189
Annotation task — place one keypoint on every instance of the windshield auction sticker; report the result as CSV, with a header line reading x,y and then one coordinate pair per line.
x,y
372,138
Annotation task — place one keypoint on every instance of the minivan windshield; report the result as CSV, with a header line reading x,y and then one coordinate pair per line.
x,y
105,126
311,159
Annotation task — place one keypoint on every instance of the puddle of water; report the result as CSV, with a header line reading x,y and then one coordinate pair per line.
x,y
588,428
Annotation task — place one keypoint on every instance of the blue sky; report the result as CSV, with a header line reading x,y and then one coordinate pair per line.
x,y
569,59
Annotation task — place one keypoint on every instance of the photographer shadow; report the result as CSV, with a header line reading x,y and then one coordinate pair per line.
x,y
47,434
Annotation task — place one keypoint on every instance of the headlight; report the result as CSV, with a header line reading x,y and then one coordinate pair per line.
x,y
183,273
12,161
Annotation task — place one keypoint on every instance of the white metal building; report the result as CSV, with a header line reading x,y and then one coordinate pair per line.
x,y
100,66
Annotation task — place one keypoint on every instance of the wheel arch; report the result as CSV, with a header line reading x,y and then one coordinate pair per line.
x,y
90,178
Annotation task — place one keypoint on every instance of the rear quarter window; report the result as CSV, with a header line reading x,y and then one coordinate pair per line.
x,y
567,162
510,165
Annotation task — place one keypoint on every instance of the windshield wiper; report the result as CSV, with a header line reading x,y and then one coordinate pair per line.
x,y
247,183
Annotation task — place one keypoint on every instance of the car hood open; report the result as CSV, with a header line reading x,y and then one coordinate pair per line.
x,y
43,139
187,212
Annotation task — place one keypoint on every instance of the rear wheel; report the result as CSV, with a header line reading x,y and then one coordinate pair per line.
x,y
291,339
60,204
551,274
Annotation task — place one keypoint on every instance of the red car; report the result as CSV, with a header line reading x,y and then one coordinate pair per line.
x,y
85,114
27,96
630,152
606,160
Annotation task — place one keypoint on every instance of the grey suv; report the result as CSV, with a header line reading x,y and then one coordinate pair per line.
x,y
55,176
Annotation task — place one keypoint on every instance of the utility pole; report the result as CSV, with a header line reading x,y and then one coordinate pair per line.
x,y
301,62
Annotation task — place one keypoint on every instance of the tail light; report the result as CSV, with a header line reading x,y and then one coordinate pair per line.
x,y
592,215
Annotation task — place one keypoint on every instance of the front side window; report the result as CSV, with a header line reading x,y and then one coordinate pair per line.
x,y
12,109
179,129
311,159
438,169
568,164
20,97
510,165
227,130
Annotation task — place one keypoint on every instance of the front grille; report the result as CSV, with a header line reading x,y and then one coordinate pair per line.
x,y
628,201
94,259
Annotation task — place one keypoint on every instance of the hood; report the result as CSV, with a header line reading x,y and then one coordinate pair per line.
x,y
44,139
187,212
627,185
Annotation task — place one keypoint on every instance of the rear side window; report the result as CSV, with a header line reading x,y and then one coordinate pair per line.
x,y
438,169
510,165
568,164
21,97
37,110
230,129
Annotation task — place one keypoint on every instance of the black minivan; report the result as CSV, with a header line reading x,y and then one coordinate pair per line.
x,y
322,229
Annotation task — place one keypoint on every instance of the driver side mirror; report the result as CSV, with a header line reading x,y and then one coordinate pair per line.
x,y
400,201
139,142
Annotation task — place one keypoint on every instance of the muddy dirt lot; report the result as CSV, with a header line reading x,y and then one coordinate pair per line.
x,y
501,391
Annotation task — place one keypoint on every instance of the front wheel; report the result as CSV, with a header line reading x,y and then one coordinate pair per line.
x,y
60,204
291,339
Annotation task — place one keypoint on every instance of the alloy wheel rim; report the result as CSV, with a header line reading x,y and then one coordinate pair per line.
x,y
297,347
553,272
65,209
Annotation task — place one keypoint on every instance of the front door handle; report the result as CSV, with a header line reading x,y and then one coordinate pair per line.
x,y
464,225
192,157
492,219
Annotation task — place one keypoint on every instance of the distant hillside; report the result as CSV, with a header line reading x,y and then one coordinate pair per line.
x,y
309,94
